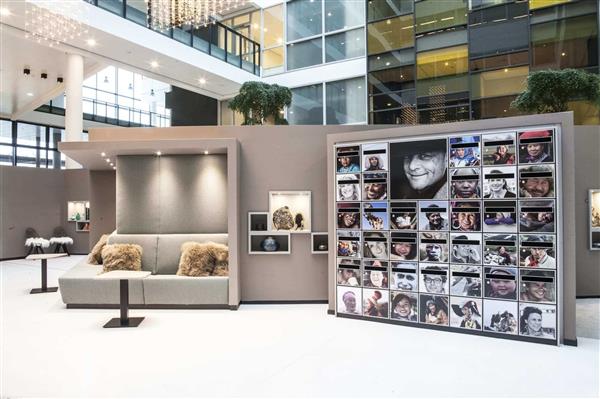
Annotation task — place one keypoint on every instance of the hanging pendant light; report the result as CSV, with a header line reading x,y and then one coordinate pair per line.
x,y
166,14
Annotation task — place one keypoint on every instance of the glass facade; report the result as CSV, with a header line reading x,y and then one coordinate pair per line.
x,y
345,101
307,106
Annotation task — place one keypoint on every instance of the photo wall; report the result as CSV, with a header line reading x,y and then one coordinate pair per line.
x,y
458,231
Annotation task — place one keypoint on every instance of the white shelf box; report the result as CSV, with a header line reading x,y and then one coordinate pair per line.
x,y
316,242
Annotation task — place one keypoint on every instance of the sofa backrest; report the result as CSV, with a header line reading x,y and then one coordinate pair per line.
x,y
148,242
169,249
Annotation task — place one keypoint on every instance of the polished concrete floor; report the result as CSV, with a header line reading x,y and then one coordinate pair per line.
x,y
263,351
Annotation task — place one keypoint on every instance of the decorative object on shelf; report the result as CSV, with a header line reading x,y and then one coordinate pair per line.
x,y
322,247
262,103
166,14
50,28
269,244
594,200
290,211
77,216
283,219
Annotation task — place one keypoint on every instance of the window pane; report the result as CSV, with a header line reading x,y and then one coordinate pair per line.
x,y
392,80
403,116
500,61
27,157
273,26
499,38
443,62
345,101
54,160
33,135
5,132
304,54
307,106
498,107
183,34
273,59
393,100
475,4
378,9
564,11
392,59
6,155
452,37
303,19
343,14
56,135
434,14
568,43
533,4
444,85
137,11
344,45
499,83
390,34
498,14
444,115
115,6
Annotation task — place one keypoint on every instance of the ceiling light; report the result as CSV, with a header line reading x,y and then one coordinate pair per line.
x,y
202,81
5,12
114,168
42,25
102,154
91,42
563,54
112,164
166,14
505,69
154,64
206,152
107,160
30,94
158,153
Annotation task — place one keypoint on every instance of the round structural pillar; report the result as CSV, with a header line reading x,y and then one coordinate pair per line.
x,y
74,103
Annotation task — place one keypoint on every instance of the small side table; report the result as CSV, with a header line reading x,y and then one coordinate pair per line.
x,y
44,258
123,276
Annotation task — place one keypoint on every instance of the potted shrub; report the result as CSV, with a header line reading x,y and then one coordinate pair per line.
x,y
262,103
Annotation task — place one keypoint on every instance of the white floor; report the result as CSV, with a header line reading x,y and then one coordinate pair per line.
x,y
272,351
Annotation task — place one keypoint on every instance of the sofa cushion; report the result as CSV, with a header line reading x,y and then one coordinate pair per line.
x,y
202,259
169,249
182,290
148,242
121,257
78,286
95,256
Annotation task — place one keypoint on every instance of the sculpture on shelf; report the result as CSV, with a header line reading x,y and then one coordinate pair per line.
x,y
299,221
283,219
269,244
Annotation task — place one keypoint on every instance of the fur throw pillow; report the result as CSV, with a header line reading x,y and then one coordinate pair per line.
x,y
95,256
122,257
203,259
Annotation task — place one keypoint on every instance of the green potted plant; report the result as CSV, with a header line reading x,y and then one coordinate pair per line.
x,y
552,90
262,103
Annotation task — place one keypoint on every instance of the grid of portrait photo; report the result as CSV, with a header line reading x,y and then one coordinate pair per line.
x,y
458,231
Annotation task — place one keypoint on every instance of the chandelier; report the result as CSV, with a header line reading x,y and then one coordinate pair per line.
x,y
165,14
52,29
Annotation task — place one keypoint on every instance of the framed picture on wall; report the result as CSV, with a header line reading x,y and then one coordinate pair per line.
x,y
290,211
594,200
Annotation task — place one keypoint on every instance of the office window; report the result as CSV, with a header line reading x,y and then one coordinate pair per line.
x,y
567,43
28,157
452,37
500,61
497,107
402,116
390,34
344,45
6,155
343,14
272,26
379,9
307,105
392,100
567,10
395,79
303,19
498,14
499,83
392,59
438,86
442,62
137,11
304,54
273,60
433,15
56,135
32,135
499,38
5,131
444,115
476,4
533,4
345,101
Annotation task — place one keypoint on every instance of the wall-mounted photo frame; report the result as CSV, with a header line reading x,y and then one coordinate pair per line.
x,y
290,211
594,201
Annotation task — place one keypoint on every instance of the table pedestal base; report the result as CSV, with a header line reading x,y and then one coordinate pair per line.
x,y
43,290
117,322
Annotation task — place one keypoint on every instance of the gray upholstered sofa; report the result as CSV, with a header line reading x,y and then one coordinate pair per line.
x,y
163,289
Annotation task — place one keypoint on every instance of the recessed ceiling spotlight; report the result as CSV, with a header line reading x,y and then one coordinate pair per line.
x,y
202,81
112,164
103,154
114,167
91,42
158,153
154,64
26,71
107,160
30,94
205,152
5,12
59,79
44,75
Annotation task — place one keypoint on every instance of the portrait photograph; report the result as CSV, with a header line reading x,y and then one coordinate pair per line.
x,y
434,279
465,248
375,245
536,146
403,246
405,276
466,313
537,251
500,249
375,157
537,320
349,277
375,216
348,215
348,159
348,187
500,182
464,151
465,216
500,216
348,244
465,183
537,286
500,283
536,216
500,316
376,302
418,169
433,215
374,186
595,209
465,280
499,149
349,263
290,211
433,247
349,300
536,181
403,215
433,309
375,278
404,306
375,263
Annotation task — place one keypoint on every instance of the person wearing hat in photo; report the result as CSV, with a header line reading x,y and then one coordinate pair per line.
x,y
346,164
535,152
498,186
373,163
470,313
500,287
538,257
349,300
504,322
536,187
373,306
436,311
403,308
502,156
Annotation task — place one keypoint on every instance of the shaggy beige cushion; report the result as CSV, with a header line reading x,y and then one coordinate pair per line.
x,y
122,257
95,257
203,259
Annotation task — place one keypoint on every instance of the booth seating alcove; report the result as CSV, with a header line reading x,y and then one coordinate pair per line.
x,y
188,193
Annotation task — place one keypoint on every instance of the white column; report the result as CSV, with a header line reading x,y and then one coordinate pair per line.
x,y
74,103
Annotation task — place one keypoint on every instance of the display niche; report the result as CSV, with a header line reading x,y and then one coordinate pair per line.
x,y
455,232
262,241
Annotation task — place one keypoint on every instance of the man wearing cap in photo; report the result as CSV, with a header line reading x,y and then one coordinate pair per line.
x,y
536,187
498,286
539,256
535,152
469,312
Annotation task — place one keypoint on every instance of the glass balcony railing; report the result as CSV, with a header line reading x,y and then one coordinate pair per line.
x,y
214,39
